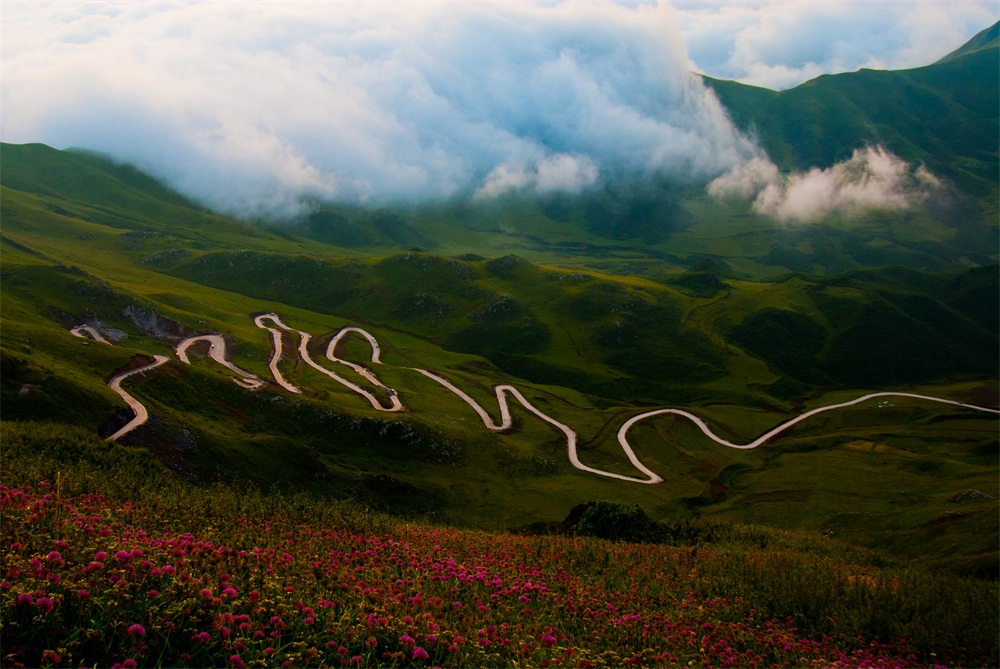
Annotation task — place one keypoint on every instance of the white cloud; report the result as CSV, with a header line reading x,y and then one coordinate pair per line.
x,y
252,107
872,179
558,173
249,107
782,43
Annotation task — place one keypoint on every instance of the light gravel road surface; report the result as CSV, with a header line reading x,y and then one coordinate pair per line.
x,y
217,351
141,416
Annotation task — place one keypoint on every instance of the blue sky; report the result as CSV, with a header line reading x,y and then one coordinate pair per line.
x,y
251,106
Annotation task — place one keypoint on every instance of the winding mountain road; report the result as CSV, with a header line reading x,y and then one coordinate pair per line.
x,y
623,432
506,422
141,416
217,351
82,331
276,348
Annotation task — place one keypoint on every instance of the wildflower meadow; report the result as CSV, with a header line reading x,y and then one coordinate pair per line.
x,y
109,562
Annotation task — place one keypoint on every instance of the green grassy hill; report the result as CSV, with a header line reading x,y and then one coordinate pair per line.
x,y
944,115
110,559
591,341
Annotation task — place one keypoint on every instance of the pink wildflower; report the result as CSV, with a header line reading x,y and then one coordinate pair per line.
x,y
137,630
419,653
51,656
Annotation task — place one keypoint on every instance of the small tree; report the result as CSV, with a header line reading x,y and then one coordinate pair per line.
x,y
618,522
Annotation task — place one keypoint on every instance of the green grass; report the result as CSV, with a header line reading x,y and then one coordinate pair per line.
x,y
587,346
173,574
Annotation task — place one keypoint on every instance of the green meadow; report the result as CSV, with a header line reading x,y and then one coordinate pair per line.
x,y
590,344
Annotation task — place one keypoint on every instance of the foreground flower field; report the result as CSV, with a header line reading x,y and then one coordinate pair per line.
x,y
102,567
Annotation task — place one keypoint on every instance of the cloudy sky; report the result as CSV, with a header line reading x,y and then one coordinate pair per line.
x,y
252,106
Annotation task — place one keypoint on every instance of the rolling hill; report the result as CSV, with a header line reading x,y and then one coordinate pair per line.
x,y
123,254
595,307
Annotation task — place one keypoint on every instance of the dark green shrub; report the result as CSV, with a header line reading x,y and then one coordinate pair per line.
x,y
618,522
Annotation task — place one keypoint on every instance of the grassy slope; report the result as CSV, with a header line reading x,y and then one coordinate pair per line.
x,y
538,322
97,537
944,115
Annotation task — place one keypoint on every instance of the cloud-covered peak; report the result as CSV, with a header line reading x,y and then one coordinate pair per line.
x,y
781,43
252,107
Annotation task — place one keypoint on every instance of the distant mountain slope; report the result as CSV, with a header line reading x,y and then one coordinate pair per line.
x,y
945,115
88,242
989,38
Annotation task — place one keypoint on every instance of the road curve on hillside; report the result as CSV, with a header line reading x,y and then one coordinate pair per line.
x,y
217,351
141,415
276,348
82,331
506,422
623,432
395,404
304,339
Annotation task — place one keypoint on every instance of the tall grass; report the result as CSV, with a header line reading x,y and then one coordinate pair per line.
x,y
109,560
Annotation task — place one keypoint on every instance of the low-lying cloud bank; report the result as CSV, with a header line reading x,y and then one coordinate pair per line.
x,y
872,179
254,108
781,43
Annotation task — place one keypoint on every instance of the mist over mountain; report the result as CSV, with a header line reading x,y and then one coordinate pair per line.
x,y
259,113
249,111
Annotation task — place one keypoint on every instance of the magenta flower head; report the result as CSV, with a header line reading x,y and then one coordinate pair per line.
x,y
419,653
548,639
137,630
54,556
236,661
51,656
406,640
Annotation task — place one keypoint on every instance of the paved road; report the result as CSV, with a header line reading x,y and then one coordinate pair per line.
x,y
82,330
276,348
305,338
623,432
217,351
141,416
506,421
